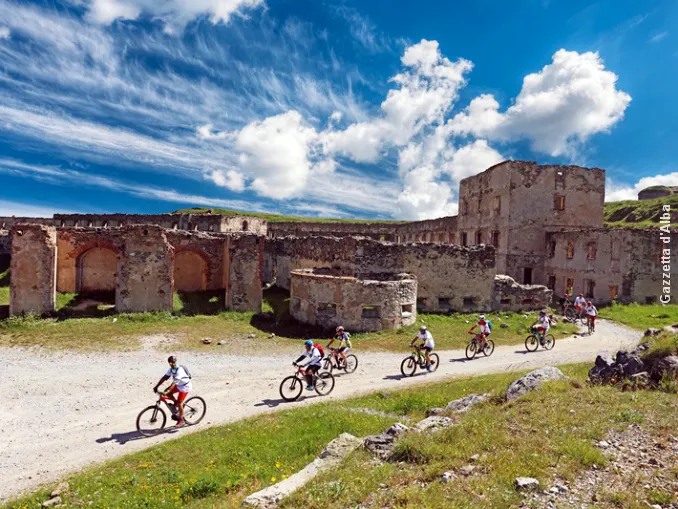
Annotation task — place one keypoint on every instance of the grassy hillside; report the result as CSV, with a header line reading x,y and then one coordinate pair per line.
x,y
637,213
278,218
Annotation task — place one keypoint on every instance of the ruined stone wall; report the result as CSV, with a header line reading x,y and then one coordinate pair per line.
x,y
377,231
327,298
449,278
199,260
5,249
144,275
191,222
245,262
435,231
244,224
621,262
520,200
511,296
33,281
6,222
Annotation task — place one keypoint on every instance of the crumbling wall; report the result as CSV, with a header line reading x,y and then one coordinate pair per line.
x,y
377,231
145,280
434,231
199,260
244,224
5,249
245,268
328,298
625,264
511,296
33,281
449,278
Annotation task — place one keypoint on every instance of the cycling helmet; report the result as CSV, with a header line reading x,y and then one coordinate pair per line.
x,y
481,317
423,327
308,342
589,303
341,327
581,294
542,312
171,359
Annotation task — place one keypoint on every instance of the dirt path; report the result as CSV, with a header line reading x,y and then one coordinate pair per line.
x,y
64,411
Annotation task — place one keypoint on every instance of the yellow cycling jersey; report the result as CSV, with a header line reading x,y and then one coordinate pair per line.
x,y
343,339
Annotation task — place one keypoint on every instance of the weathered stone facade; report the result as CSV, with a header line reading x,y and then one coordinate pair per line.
x,y
33,286
606,264
511,296
512,205
377,231
372,302
433,231
449,278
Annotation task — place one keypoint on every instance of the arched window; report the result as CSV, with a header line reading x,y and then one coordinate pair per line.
x,y
570,250
244,226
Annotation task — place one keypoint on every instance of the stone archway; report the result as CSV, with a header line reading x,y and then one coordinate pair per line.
x,y
96,270
190,272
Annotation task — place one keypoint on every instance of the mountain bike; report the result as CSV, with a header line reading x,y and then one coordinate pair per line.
x,y
292,386
590,325
334,361
533,341
479,344
572,315
418,358
151,420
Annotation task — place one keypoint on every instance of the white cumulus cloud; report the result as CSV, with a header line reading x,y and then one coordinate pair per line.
x,y
4,32
424,196
617,192
564,104
275,153
230,179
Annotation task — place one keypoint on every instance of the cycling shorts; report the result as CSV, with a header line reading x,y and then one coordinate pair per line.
x,y
180,396
343,349
429,349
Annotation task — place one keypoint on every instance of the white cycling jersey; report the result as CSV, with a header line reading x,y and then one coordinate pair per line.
x,y
180,378
427,338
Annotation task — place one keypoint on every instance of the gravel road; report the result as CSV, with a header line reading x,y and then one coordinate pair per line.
x,y
65,411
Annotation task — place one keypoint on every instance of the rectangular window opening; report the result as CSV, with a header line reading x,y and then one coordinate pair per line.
x,y
407,310
559,202
327,309
652,299
464,239
371,312
614,292
445,303
495,239
422,303
590,288
506,301
527,276
552,282
471,302
479,237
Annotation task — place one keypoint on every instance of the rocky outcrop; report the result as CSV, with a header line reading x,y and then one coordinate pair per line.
x,y
332,455
627,365
459,405
533,381
383,443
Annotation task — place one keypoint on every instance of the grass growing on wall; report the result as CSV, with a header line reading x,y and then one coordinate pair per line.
x,y
278,218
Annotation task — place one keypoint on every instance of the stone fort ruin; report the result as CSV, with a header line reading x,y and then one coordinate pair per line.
x,y
524,231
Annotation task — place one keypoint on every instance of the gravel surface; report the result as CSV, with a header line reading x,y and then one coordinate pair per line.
x,y
65,411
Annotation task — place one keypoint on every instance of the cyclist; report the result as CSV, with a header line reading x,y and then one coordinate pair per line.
x,y
427,344
543,327
591,313
313,365
181,386
483,327
344,343
564,302
580,303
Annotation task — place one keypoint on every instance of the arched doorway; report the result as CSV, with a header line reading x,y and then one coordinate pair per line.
x,y
96,270
190,272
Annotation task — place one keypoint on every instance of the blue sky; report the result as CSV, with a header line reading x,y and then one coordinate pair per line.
x,y
325,108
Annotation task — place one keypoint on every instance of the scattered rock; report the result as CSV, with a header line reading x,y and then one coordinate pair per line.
x,y
665,366
251,336
603,444
526,483
504,325
604,360
434,411
466,470
383,443
464,404
652,332
475,457
670,328
114,320
222,342
433,423
533,381
53,502
633,365
447,477
206,341
643,347
62,488
271,335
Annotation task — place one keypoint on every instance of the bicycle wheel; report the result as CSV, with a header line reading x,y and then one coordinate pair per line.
x,y
151,421
324,384
489,348
571,315
327,365
549,342
290,388
195,409
408,366
531,343
435,361
471,350
351,363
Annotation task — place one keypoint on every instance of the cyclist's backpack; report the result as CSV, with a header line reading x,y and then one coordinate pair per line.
x,y
320,349
489,324
187,372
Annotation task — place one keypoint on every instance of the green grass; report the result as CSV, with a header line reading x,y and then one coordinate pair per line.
x,y
637,213
280,218
548,434
4,288
642,316
101,329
